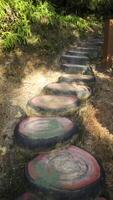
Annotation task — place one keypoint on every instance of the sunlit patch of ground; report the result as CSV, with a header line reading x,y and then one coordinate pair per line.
x,y
15,97
32,85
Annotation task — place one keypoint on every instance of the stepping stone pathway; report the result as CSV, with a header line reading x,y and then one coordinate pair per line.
x,y
44,132
77,53
91,43
82,49
96,41
53,104
67,173
77,78
76,69
72,173
71,59
81,91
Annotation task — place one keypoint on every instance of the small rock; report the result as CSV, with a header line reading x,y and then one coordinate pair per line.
x,y
3,150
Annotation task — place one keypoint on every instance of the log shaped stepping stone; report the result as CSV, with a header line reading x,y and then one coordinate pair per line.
x,y
79,78
90,49
81,91
96,41
27,196
76,69
77,53
71,59
92,54
90,44
71,173
44,132
53,104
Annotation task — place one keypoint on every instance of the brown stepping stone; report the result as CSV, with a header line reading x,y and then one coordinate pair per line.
x,y
70,173
44,132
53,104
78,78
81,91
76,69
28,196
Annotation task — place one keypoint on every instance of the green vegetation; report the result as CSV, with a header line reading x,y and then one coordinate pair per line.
x,y
25,22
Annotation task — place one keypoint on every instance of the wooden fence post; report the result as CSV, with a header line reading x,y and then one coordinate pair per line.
x,y
108,43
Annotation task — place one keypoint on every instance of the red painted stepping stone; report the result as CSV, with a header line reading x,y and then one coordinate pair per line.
x,y
44,132
81,91
76,69
70,173
27,196
53,104
79,78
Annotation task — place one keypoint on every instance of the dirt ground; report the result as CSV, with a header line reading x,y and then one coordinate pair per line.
x,y
22,76
97,119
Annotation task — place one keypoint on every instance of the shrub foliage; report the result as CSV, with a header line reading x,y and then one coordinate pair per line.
x,y
21,18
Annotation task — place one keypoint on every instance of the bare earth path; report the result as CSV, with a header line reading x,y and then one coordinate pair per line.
x,y
17,87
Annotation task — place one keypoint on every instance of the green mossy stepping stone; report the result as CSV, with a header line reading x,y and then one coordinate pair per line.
x,y
78,78
70,173
28,196
71,59
43,133
76,69
81,91
53,105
